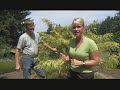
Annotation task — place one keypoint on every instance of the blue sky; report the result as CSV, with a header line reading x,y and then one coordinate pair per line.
x,y
65,17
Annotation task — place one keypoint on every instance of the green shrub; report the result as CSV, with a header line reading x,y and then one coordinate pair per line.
x,y
54,69
111,63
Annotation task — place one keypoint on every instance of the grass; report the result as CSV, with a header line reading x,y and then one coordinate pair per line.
x,y
7,66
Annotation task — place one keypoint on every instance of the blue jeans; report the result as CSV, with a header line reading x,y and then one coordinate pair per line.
x,y
28,63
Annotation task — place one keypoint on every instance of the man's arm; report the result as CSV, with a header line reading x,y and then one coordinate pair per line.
x,y
17,52
46,45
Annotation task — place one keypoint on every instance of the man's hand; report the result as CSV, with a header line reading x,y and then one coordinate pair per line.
x,y
18,68
54,49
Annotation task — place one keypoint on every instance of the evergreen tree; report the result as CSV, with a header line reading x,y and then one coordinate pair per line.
x,y
11,26
111,25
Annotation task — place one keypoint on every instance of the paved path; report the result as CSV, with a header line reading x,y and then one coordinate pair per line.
x,y
12,75
115,73
109,74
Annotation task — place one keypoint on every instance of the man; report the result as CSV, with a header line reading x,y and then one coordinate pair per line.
x,y
28,42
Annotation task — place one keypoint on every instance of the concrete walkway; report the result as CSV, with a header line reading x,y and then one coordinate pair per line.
x,y
108,74
12,75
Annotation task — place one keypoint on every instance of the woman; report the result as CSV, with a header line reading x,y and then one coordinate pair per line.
x,y
83,53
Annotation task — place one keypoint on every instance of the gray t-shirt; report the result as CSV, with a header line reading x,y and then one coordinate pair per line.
x,y
28,44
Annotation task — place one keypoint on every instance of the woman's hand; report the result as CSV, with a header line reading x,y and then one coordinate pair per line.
x,y
76,62
64,57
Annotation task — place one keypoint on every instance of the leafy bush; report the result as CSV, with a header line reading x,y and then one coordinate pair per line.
x,y
110,63
5,51
54,69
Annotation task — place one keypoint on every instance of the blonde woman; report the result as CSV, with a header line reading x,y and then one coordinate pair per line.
x,y
83,53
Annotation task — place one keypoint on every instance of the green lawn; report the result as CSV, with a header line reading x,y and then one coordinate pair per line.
x,y
7,66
